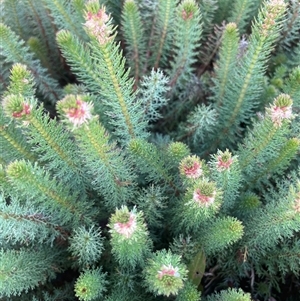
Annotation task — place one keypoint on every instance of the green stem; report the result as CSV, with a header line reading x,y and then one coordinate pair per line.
x,y
118,90
163,34
15,144
258,149
51,142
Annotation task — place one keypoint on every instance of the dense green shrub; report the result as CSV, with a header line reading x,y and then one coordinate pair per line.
x,y
149,150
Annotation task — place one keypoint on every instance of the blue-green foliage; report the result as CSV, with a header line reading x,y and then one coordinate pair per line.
x,y
161,35
230,295
187,35
110,172
239,97
199,124
152,202
133,31
275,226
23,223
208,9
228,180
86,245
16,265
149,150
153,90
13,144
119,100
68,15
242,12
150,162
33,183
16,51
291,27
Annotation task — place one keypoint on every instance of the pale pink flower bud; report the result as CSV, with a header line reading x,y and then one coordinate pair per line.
x,y
168,270
25,111
188,9
278,114
224,161
127,228
18,107
191,167
274,9
79,114
187,15
203,199
222,164
75,109
281,109
97,27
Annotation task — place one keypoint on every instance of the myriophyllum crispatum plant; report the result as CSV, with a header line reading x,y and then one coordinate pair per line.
x,y
149,150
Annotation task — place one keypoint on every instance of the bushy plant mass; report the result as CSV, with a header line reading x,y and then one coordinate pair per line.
x,y
150,150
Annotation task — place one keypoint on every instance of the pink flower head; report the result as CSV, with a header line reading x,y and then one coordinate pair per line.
x,y
280,113
274,9
191,167
281,109
224,161
188,10
25,111
187,15
96,25
128,228
203,199
222,164
168,270
193,171
79,114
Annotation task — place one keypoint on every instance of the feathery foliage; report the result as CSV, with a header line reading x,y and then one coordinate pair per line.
x,y
149,150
